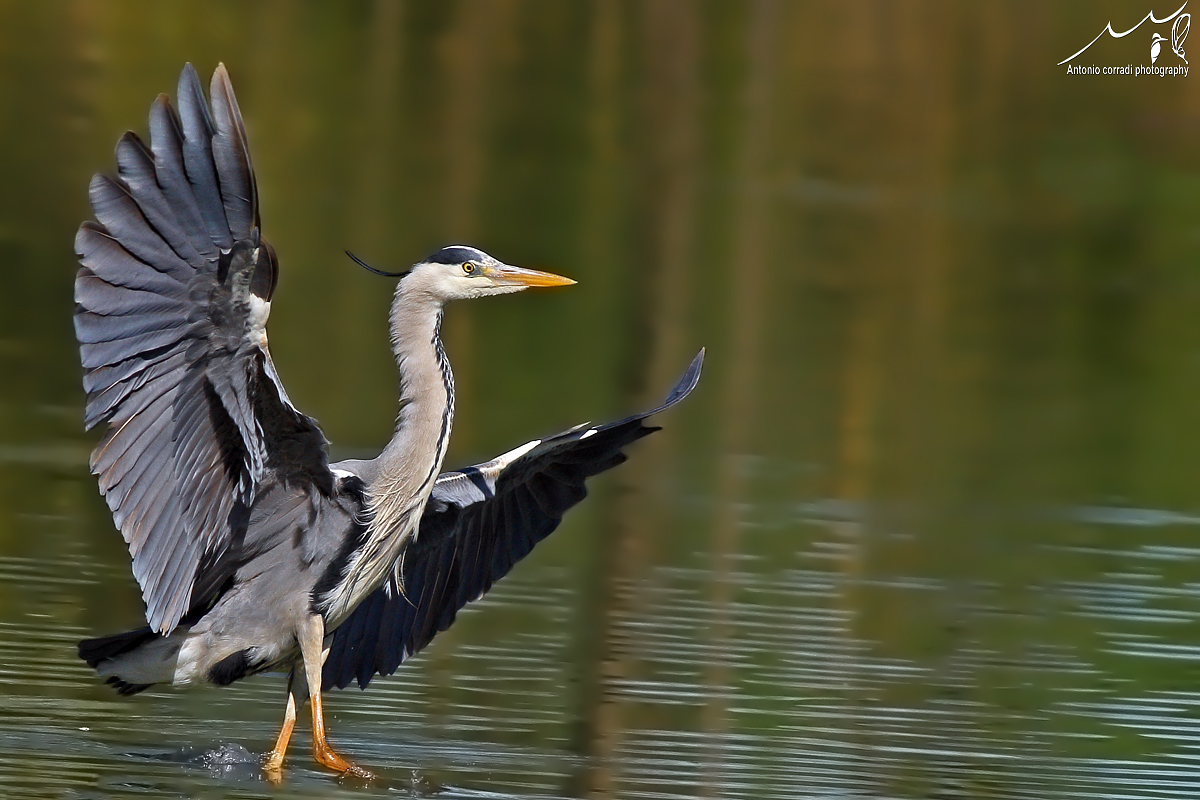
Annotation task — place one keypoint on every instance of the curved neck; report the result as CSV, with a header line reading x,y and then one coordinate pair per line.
x,y
400,479
410,462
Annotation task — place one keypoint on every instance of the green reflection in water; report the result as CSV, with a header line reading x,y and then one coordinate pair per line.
x,y
927,528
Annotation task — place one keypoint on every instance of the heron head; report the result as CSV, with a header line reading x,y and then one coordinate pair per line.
x,y
459,272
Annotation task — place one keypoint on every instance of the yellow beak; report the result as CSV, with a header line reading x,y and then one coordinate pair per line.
x,y
516,276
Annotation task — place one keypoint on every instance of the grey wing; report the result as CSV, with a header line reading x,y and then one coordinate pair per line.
x,y
171,307
479,522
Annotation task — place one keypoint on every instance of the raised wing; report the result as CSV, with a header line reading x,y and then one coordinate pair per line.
x,y
172,303
479,522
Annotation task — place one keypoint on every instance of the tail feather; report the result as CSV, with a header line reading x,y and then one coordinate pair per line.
x,y
104,648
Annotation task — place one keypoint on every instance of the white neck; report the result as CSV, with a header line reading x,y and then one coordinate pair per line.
x,y
403,474
410,461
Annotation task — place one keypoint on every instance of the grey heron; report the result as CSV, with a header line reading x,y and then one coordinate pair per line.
x,y
253,552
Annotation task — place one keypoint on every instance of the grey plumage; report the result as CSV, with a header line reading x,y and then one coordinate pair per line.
x,y
251,551
175,363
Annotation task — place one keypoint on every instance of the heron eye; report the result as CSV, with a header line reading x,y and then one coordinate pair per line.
x,y
468,268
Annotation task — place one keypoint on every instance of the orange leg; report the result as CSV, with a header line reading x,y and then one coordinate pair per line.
x,y
273,761
311,648
322,752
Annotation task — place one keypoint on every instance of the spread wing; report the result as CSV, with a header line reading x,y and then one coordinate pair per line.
x,y
479,522
172,303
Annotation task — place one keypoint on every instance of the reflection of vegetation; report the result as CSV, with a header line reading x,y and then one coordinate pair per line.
x,y
935,279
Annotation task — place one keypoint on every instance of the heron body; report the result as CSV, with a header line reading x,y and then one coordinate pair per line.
x,y
252,551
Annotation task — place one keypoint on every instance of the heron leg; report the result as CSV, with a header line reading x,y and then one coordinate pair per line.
x,y
297,694
312,638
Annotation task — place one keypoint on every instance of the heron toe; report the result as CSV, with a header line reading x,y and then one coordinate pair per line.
x,y
326,757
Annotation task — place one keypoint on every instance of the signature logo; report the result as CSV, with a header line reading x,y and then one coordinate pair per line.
x,y
1179,32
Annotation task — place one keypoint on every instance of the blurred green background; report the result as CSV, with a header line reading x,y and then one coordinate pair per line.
x,y
928,527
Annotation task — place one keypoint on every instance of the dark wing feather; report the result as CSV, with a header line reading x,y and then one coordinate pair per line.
x,y
479,522
201,169
231,155
172,300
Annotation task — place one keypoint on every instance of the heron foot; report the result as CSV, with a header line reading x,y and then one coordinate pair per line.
x,y
272,761
326,757
357,773
272,767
